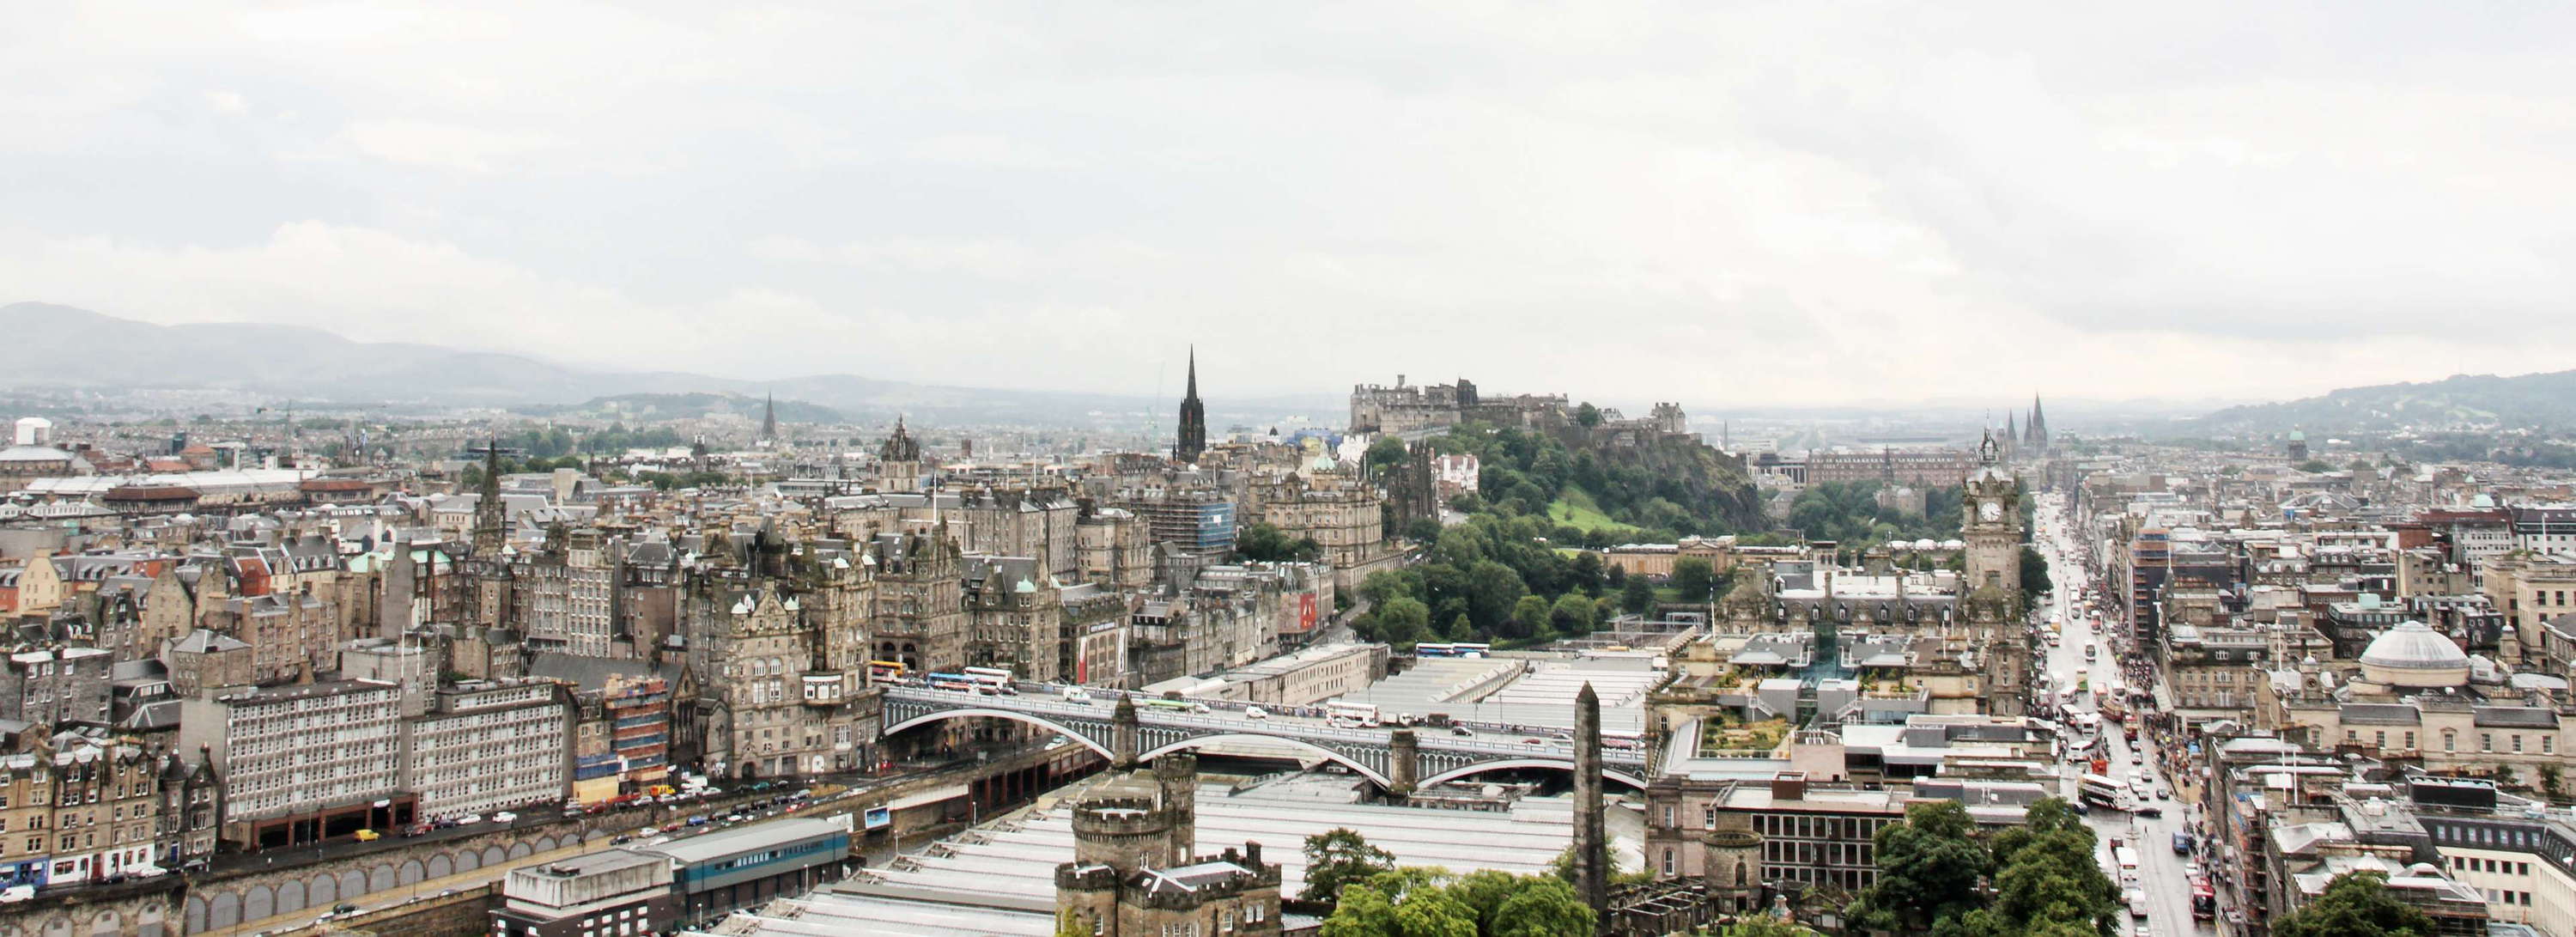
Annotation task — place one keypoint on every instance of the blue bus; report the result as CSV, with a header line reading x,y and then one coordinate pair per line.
x,y
1428,649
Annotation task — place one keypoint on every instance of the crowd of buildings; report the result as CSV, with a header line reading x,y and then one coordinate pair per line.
x,y
254,647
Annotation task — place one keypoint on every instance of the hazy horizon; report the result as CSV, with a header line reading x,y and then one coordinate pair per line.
x,y
1814,205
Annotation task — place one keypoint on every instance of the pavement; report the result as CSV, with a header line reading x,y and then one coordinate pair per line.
x,y
2161,873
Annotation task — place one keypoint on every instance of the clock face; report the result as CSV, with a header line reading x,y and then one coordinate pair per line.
x,y
1990,511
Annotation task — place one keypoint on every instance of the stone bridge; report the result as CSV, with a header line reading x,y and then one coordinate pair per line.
x,y
1396,759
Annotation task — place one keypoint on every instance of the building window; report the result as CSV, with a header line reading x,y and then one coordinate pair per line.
x,y
2486,741
1668,862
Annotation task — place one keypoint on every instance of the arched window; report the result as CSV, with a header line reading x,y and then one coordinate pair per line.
x,y
1739,873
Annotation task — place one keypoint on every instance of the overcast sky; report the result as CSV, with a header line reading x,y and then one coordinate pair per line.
x,y
1762,204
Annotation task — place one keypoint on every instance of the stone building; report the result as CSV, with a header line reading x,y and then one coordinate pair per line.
x,y
564,595
79,809
1113,549
56,686
1014,619
920,618
1135,872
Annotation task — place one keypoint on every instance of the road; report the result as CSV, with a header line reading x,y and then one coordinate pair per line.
x,y
2162,874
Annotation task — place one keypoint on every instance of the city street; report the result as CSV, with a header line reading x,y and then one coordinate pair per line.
x,y
2161,873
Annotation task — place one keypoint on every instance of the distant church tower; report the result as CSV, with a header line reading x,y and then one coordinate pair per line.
x,y
769,421
1193,438
899,461
2035,432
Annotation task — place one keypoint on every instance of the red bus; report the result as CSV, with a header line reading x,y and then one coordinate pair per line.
x,y
2204,900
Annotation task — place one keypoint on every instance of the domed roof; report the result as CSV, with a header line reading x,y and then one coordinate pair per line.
x,y
2413,654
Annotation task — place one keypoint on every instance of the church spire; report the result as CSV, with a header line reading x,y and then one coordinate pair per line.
x,y
769,418
1192,439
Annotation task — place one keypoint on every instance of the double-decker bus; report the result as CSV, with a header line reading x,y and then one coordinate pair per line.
x,y
1434,649
1473,649
951,681
1343,715
2099,791
885,671
990,680
1622,741
2204,899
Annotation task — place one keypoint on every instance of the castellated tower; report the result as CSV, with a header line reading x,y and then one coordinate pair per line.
x,y
1134,872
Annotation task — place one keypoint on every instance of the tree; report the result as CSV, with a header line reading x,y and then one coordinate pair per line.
x,y
1387,451
2355,904
1542,906
1403,620
2552,782
1616,576
1492,589
1694,579
1422,530
1067,924
1928,867
1586,415
1529,616
1364,911
2315,466
1261,542
1571,615
1338,857
2034,573
1636,596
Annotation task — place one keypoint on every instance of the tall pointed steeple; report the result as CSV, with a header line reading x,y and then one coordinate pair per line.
x,y
1192,439
769,419
2037,428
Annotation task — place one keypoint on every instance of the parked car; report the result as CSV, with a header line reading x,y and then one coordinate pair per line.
x,y
17,893
469,819
505,817
620,840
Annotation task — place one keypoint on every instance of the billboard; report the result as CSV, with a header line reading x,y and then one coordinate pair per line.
x,y
879,817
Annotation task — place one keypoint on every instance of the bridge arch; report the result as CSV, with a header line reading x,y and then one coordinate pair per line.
x,y
1029,718
1556,764
1291,741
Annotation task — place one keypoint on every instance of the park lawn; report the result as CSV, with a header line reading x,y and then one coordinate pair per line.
x,y
1575,509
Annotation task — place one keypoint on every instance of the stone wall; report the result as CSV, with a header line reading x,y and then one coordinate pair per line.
x,y
227,897
468,911
135,909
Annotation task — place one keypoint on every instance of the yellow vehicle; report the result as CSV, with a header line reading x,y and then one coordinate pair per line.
x,y
369,836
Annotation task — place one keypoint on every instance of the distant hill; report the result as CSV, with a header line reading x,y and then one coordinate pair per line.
x,y
649,407
2467,401
54,347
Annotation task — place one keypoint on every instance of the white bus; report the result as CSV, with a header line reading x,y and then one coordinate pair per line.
x,y
2127,857
1341,715
990,680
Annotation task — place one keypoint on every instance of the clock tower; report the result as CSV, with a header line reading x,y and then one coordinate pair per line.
x,y
1992,527
1991,596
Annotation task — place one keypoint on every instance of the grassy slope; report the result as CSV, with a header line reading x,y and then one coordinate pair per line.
x,y
1575,509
